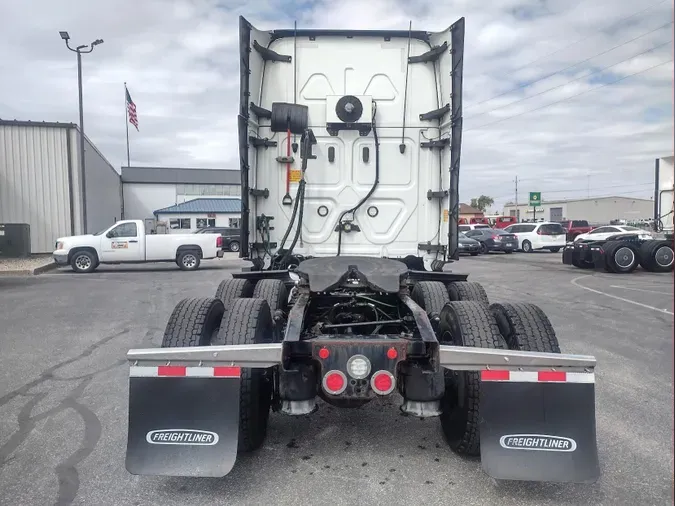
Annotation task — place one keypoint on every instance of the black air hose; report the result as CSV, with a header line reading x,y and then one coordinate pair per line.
x,y
287,255
372,189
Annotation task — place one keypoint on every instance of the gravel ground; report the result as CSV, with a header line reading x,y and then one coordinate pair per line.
x,y
64,387
24,265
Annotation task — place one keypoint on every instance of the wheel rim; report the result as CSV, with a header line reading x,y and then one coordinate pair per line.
x,y
483,247
526,246
234,246
664,256
189,261
82,262
624,257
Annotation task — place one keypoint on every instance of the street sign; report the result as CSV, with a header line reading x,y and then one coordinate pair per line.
x,y
535,199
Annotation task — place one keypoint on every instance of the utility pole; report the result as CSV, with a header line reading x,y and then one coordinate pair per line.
x,y
80,50
517,210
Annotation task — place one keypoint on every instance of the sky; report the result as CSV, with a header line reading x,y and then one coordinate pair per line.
x,y
572,97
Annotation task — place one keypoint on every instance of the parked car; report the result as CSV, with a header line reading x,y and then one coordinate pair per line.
x,y
603,233
574,228
473,226
468,245
127,242
537,236
231,236
505,221
494,240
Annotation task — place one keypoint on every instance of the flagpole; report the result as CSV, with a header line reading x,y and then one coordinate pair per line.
x,y
126,115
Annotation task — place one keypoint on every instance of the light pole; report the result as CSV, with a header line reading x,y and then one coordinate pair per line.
x,y
83,49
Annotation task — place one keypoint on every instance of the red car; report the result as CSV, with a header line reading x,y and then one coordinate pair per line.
x,y
504,221
575,227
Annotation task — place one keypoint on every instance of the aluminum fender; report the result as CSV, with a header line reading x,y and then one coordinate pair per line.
x,y
477,359
243,355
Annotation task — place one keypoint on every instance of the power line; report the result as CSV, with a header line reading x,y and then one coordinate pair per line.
x,y
568,98
568,67
569,82
614,23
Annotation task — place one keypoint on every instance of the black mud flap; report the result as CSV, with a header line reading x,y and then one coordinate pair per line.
x,y
183,421
539,426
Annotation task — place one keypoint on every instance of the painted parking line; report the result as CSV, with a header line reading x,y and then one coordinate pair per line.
x,y
640,290
658,309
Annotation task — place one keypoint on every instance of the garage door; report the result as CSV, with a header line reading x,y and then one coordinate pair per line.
x,y
556,214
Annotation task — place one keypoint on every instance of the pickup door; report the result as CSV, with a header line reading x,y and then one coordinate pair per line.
x,y
123,243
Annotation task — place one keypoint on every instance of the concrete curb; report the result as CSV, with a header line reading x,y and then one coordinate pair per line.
x,y
45,268
30,272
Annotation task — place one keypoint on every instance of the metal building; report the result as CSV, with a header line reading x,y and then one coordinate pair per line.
x,y
193,215
600,210
147,189
41,182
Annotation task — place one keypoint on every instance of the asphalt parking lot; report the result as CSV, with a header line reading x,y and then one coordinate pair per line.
x,y
63,397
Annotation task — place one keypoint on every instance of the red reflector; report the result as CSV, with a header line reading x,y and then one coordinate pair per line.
x,y
382,382
324,353
219,241
227,372
171,370
392,353
552,376
495,375
334,382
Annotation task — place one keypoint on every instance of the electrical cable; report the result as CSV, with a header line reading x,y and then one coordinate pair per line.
x,y
372,189
530,83
569,82
568,98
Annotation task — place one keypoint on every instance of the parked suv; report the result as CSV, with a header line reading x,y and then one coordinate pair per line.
x,y
575,227
230,236
533,236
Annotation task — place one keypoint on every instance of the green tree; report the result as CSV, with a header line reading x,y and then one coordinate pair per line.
x,y
482,202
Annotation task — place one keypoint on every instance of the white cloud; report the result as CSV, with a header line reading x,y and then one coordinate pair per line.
x,y
180,60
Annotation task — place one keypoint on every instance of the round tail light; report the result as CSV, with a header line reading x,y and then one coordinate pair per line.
x,y
383,382
334,382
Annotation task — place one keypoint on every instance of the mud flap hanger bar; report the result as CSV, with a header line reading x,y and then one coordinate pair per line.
x,y
451,357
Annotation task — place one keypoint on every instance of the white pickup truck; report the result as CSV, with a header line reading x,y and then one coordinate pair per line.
x,y
127,242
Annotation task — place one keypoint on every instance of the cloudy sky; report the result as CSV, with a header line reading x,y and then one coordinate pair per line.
x,y
567,95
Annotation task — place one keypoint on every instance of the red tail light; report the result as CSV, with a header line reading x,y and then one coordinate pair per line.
x,y
334,382
495,237
383,382
219,241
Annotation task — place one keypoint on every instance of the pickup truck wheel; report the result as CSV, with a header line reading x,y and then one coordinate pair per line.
x,y
194,322
525,327
188,260
430,296
621,257
230,289
471,324
83,262
234,246
468,290
249,321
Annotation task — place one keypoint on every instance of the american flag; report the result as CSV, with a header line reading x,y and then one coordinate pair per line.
x,y
131,111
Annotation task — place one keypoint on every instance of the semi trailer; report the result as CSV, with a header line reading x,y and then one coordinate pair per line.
x,y
349,144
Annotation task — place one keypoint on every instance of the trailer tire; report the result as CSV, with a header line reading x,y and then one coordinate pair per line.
x,y
525,327
470,324
467,290
230,289
621,257
249,321
193,322
430,296
657,256
274,291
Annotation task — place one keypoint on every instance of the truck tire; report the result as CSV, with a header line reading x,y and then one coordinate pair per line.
x,y
83,262
274,292
467,290
430,296
657,256
621,257
193,322
188,260
525,327
230,289
249,321
471,324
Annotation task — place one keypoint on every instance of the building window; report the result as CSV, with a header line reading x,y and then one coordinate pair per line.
x,y
206,222
180,224
235,222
